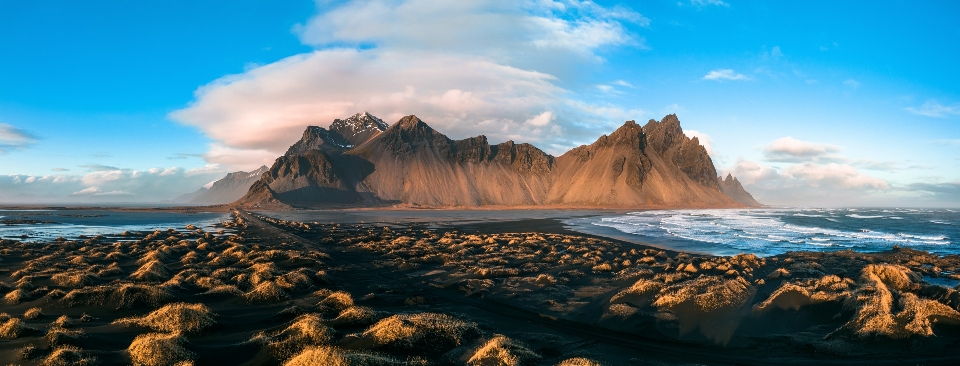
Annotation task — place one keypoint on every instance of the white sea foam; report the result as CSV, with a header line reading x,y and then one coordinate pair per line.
x,y
773,231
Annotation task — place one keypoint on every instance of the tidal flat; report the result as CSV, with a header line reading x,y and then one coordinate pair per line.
x,y
260,290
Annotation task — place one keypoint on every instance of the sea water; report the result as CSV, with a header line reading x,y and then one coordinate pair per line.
x,y
774,231
45,225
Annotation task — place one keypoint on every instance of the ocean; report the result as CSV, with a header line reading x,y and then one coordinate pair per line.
x,y
44,225
773,231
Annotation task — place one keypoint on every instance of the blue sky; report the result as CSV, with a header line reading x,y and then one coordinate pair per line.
x,y
819,103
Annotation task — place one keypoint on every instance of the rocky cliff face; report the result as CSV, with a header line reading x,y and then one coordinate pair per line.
x,y
732,188
410,163
228,189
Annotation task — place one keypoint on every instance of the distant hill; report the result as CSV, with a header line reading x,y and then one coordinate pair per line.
x,y
732,188
225,190
361,161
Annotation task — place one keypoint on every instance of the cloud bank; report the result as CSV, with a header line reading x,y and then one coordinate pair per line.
x,y
103,184
932,108
12,138
466,68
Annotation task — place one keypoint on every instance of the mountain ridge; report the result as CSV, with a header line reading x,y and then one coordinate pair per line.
x,y
412,165
225,190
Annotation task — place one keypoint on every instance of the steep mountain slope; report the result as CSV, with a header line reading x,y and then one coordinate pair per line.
x,y
412,164
732,188
229,188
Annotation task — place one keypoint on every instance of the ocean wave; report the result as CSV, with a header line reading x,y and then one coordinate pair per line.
x,y
864,216
771,231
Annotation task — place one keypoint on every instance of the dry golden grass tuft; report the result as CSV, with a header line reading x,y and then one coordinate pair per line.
x,y
57,336
337,301
68,356
62,322
15,297
323,355
74,279
152,271
266,292
882,309
423,331
131,295
14,328
503,351
708,293
33,313
179,317
224,290
294,281
579,361
155,349
90,295
307,330
801,293
355,315
332,356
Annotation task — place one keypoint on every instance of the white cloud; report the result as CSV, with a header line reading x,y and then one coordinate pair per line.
x,y
702,3
704,139
789,149
86,191
808,184
851,83
12,138
623,83
605,88
833,176
724,74
776,53
932,108
541,119
466,68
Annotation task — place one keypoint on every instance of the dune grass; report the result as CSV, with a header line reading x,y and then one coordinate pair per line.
x,y
503,351
177,318
156,349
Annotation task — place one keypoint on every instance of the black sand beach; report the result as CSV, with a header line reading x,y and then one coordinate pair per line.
x,y
515,292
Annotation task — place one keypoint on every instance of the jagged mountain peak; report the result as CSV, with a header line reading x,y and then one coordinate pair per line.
x,y
359,122
630,134
359,128
319,138
411,122
731,187
664,134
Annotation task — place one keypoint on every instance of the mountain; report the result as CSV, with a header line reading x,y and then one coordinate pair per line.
x,y
732,188
358,128
410,163
225,190
187,197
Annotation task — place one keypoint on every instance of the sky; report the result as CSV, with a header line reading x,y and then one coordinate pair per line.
x,y
818,103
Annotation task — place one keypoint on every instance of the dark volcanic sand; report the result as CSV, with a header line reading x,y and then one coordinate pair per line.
x,y
360,292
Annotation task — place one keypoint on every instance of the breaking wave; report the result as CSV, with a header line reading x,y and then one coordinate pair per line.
x,y
776,231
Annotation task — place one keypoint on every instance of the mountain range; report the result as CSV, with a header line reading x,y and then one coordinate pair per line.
x,y
225,190
362,161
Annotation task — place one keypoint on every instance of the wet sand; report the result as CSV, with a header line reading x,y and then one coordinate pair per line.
x,y
269,291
